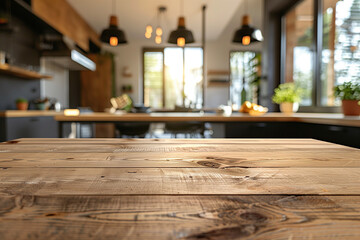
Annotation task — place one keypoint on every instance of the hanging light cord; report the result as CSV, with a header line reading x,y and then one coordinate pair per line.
x,y
182,7
114,6
158,17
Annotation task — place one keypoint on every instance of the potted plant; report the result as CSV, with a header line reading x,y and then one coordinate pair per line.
x,y
22,104
42,104
288,95
349,93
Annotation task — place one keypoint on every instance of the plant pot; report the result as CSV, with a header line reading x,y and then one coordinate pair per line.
x,y
40,106
289,108
23,106
351,107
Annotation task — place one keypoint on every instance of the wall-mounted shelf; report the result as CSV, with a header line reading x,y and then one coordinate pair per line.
x,y
218,84
218,78
219,72
21,72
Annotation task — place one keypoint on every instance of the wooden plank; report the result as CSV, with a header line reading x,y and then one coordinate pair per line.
x,y
257,141
180,217
159,148
169,181
277,159
234,144
281,153
266,146
179,189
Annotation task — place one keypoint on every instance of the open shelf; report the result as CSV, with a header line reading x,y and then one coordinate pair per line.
x,y
21,72
218,84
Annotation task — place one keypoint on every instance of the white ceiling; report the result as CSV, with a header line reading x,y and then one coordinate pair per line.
x,y
134,15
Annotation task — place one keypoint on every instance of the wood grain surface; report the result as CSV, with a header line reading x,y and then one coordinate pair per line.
x,y
178,189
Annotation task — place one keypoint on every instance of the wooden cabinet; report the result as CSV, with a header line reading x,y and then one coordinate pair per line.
x,y
65,19
96,88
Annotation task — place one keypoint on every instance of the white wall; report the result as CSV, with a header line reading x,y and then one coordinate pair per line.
x,y
218,52
129,55
58,86
218,58
217,55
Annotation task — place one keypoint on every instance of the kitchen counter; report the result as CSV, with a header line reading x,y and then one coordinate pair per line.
x,y
317,118
179,189
29,113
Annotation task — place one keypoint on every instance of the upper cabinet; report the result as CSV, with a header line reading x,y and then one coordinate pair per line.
x,y
64,18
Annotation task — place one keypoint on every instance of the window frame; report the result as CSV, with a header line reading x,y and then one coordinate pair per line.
x,y
158,50
162,50
317,49
230,75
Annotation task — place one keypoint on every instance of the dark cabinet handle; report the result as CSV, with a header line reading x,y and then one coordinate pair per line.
x,y
34,119
261,125
336,129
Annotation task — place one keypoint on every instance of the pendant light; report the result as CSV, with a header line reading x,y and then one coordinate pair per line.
x,y
247,34
113,35
181,35
158,30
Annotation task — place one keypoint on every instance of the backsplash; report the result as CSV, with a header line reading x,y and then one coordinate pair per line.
x,y
19,44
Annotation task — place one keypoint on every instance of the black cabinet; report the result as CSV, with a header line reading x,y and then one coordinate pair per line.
x,y
262,130
28,127
349,136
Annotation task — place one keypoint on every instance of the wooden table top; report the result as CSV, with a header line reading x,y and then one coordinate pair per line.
x,y
179,189
319,118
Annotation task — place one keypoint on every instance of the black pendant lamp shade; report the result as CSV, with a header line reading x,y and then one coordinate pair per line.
x,y
113,35
247,34
181,35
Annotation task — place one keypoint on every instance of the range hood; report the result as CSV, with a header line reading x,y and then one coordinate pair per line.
x,y
63,52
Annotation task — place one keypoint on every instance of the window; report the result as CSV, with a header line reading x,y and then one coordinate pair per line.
x,y
169,81
322,41
153,79
299,56
245,72
340,48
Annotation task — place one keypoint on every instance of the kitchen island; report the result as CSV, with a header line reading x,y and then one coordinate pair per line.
x,y
179,189
320,118
335,128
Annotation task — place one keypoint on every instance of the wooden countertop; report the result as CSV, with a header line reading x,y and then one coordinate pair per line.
x,y
179,189
319,118
29,113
